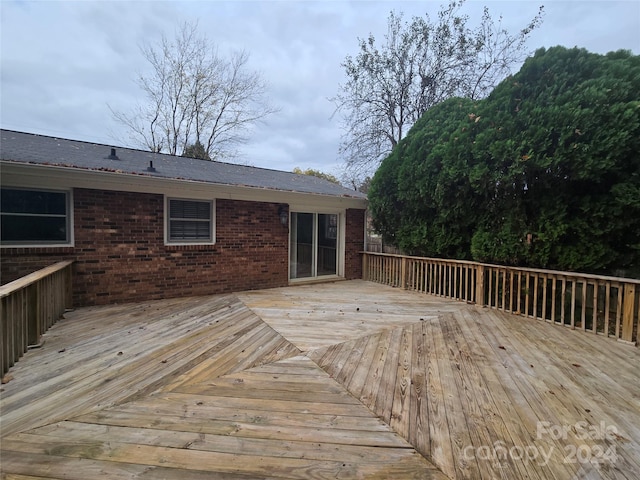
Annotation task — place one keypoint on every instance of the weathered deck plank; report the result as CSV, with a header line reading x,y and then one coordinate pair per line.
x,y
350,379
491,379
448,426
115,369
208,432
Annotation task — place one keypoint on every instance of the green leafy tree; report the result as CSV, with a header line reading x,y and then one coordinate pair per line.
x,y
196,150
544,172
316,173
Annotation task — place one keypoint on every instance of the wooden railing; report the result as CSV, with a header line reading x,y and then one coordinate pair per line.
x,y
603,305
30,305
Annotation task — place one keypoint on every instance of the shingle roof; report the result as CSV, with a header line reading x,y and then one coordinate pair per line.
x,y
39,149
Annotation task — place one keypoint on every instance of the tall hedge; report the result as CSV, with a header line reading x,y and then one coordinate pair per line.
x,y
545,172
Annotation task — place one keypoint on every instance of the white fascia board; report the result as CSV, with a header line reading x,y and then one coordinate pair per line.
x,y
52,176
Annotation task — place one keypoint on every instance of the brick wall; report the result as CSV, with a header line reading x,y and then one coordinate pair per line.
x,y
120,253
18,262
354,243
121,256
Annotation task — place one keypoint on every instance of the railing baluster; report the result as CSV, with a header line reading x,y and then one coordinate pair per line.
x,y
492,289
572,318
619,311
455,290
607,307
519,286
594,325
563,300
528,292
534,296
30,305
583,313
504,289
511,298
466,270
497,289
554,286
544,297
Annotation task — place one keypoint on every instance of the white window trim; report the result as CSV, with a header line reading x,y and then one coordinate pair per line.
x,y
168,241
70,242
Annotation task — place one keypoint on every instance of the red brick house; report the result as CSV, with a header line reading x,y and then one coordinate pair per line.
x,y
142,225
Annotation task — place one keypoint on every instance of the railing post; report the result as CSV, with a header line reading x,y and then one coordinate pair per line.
x,y
403,273
365,266
68,301
627,312
33,310
480,285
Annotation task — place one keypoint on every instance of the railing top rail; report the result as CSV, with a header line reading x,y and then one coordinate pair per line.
x,y
590,276
27,280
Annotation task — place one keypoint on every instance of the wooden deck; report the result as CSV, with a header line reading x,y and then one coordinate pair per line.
x,y
343,380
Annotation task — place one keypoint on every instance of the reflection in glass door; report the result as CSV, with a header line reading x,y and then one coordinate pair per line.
x,y
326,244
314,240
301,260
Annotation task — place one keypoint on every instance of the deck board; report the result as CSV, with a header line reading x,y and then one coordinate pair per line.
x,y
346,380
212,431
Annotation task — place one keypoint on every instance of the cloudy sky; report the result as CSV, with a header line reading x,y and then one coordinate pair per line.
x,y
63,63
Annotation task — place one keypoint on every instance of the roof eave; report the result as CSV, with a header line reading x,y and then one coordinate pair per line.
x,y
56,176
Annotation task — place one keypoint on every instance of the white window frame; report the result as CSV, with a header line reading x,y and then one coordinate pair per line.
x,y
167,222
68,242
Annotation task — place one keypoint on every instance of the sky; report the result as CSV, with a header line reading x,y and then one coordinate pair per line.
x,y
64,64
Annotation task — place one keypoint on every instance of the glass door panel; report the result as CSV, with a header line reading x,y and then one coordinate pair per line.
x,y
327,244
302,233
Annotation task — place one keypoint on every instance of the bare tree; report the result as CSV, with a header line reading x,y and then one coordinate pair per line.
x,y
420,64
195,97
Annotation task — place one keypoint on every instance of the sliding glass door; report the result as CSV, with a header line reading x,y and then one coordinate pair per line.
x,y
314,244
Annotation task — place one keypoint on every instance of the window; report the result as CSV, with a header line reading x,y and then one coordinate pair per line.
x,y
35,217
189,221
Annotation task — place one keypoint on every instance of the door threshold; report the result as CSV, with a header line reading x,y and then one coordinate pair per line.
x,y
311,280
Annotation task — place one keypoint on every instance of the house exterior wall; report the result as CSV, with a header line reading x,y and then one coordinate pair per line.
x,y
354,243
120,254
